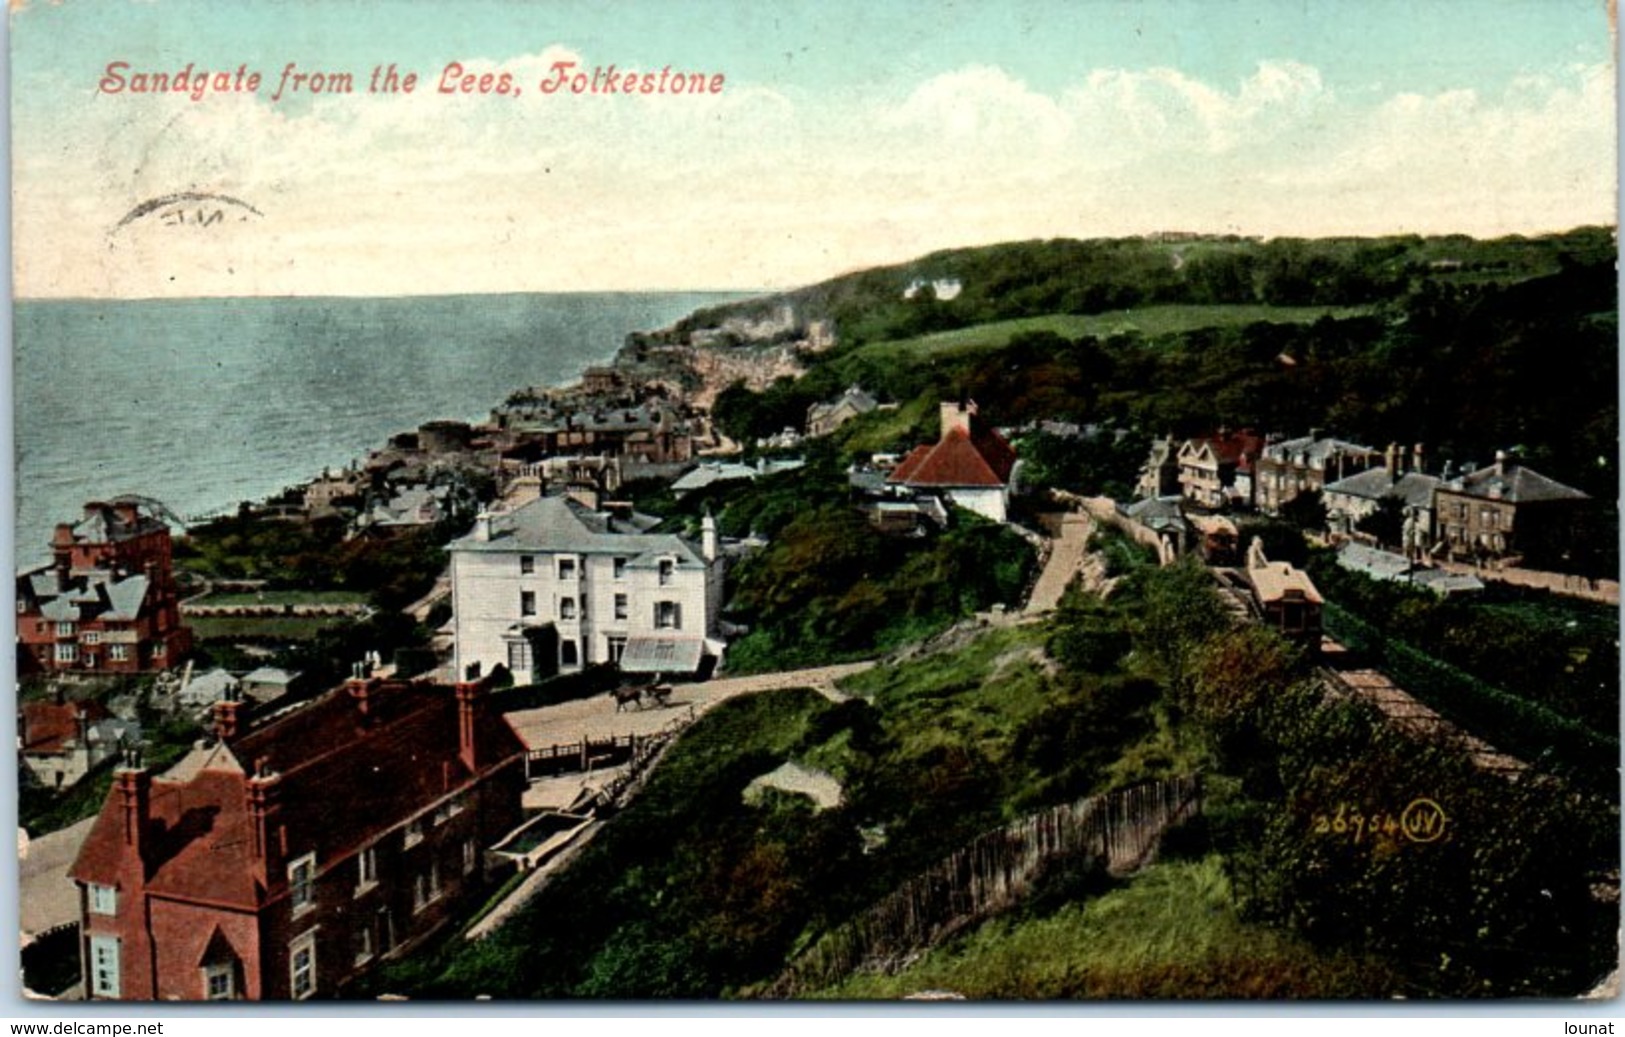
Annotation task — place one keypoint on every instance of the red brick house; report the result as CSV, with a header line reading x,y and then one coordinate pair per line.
x,y
107,602
282,861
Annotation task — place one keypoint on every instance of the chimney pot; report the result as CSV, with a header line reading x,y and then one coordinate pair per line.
x,y
228,718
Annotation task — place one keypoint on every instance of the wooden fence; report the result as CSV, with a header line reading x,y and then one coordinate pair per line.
x,y
1117,831
595,753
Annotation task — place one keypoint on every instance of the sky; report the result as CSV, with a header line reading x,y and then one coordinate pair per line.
x,y
845,134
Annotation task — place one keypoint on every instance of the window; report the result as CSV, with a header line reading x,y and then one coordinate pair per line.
x,y
448,810
64,629
666,567
366,865
118,653
414,833
470,856
527,564
219,982
527,603
66,652
567,568
567,654
302,883
426,887
667,616
519,657
617,648
158,649
104,969
363,942
620,568
103,900
92,637
567,608
621,607
302,965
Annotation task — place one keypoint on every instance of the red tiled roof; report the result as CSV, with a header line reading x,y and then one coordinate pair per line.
x,y
958,459
910,462
342,780
48,725
1229,448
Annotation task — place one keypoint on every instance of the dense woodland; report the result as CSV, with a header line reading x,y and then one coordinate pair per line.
x,y
1466,347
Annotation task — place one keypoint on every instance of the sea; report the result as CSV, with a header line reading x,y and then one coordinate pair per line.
x,y
204,403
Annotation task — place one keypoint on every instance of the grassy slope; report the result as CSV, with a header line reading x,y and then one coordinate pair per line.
x,y
1148,320
1173,931
885,430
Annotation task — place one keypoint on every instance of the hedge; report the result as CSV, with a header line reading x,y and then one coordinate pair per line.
x,y
1532,732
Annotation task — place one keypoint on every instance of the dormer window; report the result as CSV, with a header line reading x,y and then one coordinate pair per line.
x,y
219,982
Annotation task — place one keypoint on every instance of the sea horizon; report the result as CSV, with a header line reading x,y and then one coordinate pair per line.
x,y
160,404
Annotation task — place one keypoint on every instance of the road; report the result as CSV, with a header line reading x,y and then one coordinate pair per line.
x,y
1068,557
597,718
49,897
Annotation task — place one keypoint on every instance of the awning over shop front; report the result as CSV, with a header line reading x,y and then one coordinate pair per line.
x,y
663,655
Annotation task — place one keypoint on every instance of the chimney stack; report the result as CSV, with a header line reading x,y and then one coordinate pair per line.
x,y
956,416
132,784
228,715
708,536
361,687
1416,458
263,808
468,696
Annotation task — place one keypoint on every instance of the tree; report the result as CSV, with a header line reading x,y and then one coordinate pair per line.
x,y
1179,609
1386,523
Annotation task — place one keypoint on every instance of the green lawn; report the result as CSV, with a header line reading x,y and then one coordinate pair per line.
x,y
1147,320
1172,931
285,628
284,597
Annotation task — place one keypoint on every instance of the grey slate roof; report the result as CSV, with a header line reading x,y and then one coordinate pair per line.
x,y
207,688
1158,513
564,525
1310,451
87,597
1513,482
1413,488
1392,568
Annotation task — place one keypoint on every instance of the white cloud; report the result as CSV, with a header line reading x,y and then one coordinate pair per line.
x,y
747,188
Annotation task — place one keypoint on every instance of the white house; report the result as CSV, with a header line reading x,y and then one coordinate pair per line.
x,y
554,586
969,465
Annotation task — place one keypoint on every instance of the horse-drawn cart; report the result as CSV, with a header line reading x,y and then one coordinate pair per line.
x,y
656,691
